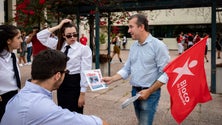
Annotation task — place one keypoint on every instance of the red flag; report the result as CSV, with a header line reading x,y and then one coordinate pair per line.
x,y
187,83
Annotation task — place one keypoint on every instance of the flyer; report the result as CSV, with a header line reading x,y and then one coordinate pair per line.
x,y
129,101
94,79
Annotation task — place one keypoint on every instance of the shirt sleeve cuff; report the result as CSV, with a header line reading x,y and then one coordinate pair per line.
x,y
123,74
83,89
163,78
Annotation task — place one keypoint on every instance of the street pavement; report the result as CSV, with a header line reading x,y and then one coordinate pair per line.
x,y
107,103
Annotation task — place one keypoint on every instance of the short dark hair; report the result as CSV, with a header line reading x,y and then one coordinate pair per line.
x,y
7,32
141,20
47,63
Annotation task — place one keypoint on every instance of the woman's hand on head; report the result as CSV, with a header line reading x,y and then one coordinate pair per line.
x,y
64,21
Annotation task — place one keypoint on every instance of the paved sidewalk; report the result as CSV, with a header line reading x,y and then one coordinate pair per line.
x,y
106,103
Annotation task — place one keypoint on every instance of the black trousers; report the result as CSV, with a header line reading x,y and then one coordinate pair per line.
x,y
68,93
4,100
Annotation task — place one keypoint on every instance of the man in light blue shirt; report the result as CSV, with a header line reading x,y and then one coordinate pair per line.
x,y
33,105
147,58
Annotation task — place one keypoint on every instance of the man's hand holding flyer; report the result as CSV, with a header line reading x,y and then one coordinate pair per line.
x,y
94,79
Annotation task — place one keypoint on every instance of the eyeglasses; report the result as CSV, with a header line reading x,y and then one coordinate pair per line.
x,y
71,35
66,71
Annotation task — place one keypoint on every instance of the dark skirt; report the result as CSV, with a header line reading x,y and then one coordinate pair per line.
x,y
68,93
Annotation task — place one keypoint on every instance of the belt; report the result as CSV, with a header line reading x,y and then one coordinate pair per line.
x,y
139,88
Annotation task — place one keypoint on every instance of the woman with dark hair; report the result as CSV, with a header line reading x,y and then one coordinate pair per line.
x,y
71,94
9,81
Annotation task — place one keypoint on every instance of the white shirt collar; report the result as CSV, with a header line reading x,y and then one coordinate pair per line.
x,y
6,55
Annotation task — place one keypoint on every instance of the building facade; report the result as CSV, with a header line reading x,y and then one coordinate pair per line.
x,y
165,23
7,10
168,23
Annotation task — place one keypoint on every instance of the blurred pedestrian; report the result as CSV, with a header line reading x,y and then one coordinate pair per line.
x,y
124,42
37,46
180,43
190,40
29,49
206,48
196,38
22,50
218,45
116,48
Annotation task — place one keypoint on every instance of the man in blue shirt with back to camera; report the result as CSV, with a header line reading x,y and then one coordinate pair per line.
x,y
147,58
33,105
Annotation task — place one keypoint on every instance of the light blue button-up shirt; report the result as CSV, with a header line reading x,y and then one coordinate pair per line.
x,y
33,105
145,62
